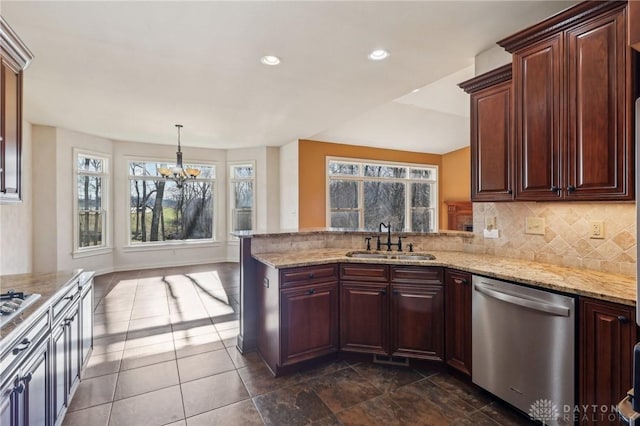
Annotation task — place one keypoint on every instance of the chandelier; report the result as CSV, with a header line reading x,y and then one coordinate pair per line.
x,y
178,174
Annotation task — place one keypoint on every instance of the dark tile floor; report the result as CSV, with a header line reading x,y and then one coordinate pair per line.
x,y
164,353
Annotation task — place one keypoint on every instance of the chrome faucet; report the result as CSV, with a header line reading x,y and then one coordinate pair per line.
x,y
389,244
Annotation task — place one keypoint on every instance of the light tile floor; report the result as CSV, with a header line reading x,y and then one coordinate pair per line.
x,y
164,353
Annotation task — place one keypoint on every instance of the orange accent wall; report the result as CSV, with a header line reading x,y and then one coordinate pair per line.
x,y
312,182
455,180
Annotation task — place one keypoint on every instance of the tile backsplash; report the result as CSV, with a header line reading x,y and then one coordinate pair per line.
x,y
566,241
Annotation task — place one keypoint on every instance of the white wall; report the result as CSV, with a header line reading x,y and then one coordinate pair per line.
x,y
491,59
15,219
54,189
37,235
289,186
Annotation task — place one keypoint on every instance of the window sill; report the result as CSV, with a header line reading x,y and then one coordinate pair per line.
x,y
170,246
91,252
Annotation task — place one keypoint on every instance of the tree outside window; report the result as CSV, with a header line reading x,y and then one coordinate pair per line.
x,y
242,182
91,203
363,194
162,212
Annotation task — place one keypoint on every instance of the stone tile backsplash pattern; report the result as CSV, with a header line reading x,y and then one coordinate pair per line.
x,y
566,241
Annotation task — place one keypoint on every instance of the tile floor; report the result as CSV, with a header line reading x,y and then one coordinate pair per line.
x,y
164,353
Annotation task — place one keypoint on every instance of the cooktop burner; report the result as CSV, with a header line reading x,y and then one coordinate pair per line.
x,y
13,303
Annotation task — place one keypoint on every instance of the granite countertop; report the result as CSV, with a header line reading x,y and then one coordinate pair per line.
x,y
583,282
49,285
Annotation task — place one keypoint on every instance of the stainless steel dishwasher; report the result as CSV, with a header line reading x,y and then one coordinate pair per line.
x,y
523,348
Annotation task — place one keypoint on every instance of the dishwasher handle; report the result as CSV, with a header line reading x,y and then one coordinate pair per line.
x,y
527,303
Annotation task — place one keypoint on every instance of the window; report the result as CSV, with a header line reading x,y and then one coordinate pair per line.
x,y
242,189
362,194
91,188
162,212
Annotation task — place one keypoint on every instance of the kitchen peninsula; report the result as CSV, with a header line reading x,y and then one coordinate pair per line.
x,y
307,294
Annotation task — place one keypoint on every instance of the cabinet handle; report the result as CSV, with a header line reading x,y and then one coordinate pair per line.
x,y
571,188
623,319
555,189
383,292
395,292
69,297
311,275
509,191
27,378
312,291
460,280
24,344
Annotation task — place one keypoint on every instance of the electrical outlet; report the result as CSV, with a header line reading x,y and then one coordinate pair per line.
x,y
490,223
534,226
596,229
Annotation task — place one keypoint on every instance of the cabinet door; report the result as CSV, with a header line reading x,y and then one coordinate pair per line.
x,y
492,144
86,306
36,380
599,155
364,317
74,348
458,320
10,149
309,322
537,76
608,334
417,321
8,405
59,356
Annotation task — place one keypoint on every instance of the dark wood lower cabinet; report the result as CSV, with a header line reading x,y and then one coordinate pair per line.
x,y
309,318
607,336
458,320
403,316
364,317
417,321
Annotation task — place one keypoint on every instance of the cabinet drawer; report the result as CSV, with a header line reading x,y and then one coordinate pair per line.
x,y
69,297
23,345
364,272
305,275
416,274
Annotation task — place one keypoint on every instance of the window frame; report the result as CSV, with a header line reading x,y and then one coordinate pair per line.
x,y
105,175
361,178
171,244
230,190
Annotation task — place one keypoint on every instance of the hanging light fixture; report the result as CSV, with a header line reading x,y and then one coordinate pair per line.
x,y
178,174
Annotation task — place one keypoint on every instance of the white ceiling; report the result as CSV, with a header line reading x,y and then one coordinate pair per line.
x,y
130,70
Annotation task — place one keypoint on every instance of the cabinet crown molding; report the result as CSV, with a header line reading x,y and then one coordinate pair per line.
x,y
488,79
12,48
558,22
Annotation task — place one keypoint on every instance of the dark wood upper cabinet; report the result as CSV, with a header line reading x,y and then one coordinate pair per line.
x,y
599,153
14,58
573,101
491,135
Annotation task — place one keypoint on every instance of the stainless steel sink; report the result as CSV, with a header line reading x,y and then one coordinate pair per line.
x,y
390,255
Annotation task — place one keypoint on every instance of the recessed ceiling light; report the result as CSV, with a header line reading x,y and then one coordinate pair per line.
x,y
415,90
378,55
270,60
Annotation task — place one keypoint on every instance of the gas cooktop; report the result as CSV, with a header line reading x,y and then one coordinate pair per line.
x,y
13,303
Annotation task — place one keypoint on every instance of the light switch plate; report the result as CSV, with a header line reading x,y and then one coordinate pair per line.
x,y
534,226
490,222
